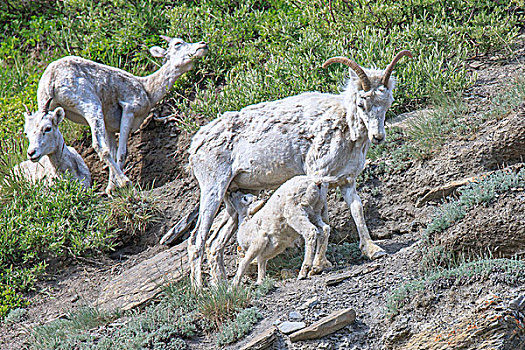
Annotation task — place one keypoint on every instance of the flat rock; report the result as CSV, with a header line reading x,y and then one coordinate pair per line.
x,y
327,325
144,281
288,327
295,316
262,341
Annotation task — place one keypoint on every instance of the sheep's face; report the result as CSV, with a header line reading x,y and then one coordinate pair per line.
x,y
42,132
371,108
245,204
180,54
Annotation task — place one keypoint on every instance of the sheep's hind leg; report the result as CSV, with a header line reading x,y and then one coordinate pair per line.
x,y
368,248
302,225
216,244
210,201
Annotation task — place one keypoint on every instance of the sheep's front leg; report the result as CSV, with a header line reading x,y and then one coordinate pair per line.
x,y
256,247
126,122
368,248
320,260
95,118
261,269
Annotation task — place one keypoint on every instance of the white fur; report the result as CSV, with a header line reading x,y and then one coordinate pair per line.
x,y
263,145
48,155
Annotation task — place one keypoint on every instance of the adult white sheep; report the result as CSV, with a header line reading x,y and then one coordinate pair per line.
x,y
296,209
48,155
313,133
111,100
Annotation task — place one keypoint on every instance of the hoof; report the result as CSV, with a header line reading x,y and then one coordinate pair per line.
x,y
378,254
373,251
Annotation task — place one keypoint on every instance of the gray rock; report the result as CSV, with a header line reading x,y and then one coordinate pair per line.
x,y
295,316
327,325
288,327
309,303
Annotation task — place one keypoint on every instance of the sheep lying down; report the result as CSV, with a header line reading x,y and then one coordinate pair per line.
x,y
297,208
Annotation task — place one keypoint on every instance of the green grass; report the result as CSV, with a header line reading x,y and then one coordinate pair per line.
x,y
259,50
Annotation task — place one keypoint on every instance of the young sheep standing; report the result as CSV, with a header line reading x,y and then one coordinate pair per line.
x,y
263,145
297,208
48,155
111,100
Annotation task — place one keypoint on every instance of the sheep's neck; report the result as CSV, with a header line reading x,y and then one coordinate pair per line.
x,y
60,157
159,83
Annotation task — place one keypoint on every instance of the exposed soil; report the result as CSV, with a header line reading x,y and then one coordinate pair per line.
x,y
157,158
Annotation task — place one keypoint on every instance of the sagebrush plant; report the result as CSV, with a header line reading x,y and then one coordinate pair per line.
x,y
473,194
163,325
242,324
508,271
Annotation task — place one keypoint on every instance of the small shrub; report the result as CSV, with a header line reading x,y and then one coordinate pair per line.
x,y
10,300
132,211
235,329
220,303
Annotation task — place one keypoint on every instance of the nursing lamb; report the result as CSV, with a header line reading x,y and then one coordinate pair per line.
x,y
297,208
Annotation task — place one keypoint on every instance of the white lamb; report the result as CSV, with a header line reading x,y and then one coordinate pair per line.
x,y
48,155
297,208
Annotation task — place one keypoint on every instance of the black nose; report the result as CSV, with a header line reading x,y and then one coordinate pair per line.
x,y
31,153
377,140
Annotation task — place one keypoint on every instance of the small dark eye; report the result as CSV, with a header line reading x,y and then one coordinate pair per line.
x,y
177,44
361,104
48,129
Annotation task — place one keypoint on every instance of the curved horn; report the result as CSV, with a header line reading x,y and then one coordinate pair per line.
x,y
390,68
46,106
365,82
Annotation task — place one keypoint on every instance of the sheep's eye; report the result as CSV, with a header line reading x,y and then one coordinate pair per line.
x,y
47,129
361,104
177,44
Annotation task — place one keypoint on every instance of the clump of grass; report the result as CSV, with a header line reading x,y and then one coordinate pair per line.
x,y
133,211
240,326
220,303
509,271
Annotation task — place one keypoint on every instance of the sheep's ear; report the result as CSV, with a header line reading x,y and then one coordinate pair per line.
x,y
157,51
255,207
167,38
58,115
